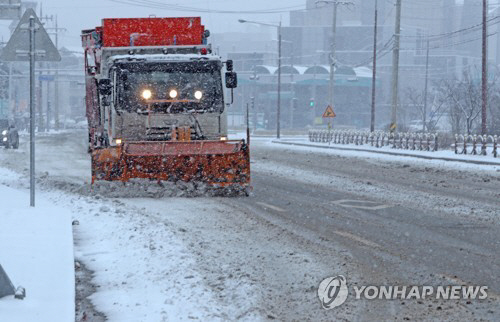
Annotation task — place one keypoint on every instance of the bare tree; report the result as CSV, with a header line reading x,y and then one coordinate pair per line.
x,y
414,100
464,104
463,99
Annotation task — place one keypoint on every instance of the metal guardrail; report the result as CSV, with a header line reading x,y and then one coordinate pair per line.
x,y
464,144
379,139
469,144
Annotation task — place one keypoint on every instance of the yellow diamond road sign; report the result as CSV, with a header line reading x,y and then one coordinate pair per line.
x,y
329,113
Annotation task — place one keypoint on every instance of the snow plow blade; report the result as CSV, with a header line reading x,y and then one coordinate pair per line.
x,y
218,163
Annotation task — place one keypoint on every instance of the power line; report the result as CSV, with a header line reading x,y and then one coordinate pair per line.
x,y
158,5
472,28
453,44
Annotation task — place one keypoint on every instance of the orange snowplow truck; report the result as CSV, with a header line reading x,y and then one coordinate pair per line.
x,y
155,104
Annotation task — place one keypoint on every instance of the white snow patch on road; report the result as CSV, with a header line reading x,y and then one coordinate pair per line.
x,y
36,251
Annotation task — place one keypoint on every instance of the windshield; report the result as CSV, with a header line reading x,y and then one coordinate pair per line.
x,y
170,87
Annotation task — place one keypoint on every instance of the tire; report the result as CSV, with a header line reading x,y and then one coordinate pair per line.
x,y
15,146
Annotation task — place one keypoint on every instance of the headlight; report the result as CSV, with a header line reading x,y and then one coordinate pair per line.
x,y
198,95
223,138
173,93
146,94
118,141
5,139
4,132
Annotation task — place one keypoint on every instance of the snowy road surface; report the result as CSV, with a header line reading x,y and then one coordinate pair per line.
x,y
313,214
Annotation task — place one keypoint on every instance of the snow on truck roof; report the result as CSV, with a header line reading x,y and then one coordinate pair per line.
x,y
164,57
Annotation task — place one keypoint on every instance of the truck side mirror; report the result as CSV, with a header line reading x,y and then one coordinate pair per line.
x,y
231,80
105,86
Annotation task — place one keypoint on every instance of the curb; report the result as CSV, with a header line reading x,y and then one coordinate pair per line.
x,y
390,153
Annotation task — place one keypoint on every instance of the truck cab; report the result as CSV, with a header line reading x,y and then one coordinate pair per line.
x,y
163,98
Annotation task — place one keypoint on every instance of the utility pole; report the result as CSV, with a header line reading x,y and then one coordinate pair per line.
x,y
32,29
426,86
335,3
255,78
55,32
278,116
49,112
334,52
252,99
39,99
395,68
56,85
374,75
485,71
14,111
40,103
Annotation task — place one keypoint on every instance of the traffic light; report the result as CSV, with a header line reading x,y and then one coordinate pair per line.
x,y
312,103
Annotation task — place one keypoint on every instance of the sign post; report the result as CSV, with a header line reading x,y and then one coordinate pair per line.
x,y
30,42
329,114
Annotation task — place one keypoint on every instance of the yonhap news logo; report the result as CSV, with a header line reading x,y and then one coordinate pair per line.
x,y
333,292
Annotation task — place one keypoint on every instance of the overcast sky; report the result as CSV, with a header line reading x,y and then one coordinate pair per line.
x,y
75,15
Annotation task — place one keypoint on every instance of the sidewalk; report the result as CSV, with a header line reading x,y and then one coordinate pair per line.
x,y
445,155
36,251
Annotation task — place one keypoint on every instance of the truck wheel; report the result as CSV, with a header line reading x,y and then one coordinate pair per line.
x,y
15,146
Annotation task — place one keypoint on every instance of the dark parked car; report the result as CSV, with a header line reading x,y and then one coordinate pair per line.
x,y
9,137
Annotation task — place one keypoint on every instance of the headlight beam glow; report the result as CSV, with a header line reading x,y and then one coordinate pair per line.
x,y
147,94
173,93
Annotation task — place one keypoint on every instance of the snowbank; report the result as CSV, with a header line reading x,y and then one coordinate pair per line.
x,y
443,158
36,251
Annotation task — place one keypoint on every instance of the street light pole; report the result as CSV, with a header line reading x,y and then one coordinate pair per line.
x,y
278,108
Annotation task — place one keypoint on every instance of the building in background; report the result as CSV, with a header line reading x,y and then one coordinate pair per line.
x,y
307,45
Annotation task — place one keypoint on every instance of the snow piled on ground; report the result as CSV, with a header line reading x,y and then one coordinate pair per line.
x,y
36,251
143,271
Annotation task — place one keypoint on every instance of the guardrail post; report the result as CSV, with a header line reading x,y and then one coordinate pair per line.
x,y
484,144
495,143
